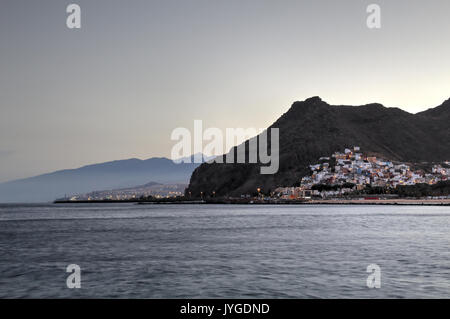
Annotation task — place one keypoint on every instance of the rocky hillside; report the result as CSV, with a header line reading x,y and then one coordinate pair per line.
x,y
313,128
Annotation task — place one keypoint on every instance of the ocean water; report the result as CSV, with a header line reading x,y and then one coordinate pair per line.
x,y
224,251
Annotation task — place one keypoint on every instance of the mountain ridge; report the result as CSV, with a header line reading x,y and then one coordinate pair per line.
x,y
313,128
108,175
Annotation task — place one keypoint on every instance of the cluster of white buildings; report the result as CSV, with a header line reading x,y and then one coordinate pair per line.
x,y
441,171
352,167
352,170
150,190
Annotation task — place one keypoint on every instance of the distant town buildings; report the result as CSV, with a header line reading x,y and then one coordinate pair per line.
x,y
152,190
344,173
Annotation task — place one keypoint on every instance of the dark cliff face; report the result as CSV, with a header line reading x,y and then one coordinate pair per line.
x,y
313,128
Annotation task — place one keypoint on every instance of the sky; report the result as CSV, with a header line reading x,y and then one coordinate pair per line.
x,y
117,87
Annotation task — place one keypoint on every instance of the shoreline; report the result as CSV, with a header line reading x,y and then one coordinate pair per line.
x,y
400,202
396,202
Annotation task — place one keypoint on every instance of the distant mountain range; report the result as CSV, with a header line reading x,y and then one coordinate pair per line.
x,y
110,175
313,128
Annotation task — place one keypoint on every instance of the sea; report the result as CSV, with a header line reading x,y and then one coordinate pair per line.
x,y
224,251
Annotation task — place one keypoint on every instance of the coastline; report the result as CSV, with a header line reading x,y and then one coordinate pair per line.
x,y
406,202
400,202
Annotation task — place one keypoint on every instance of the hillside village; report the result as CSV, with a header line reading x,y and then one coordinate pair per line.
x,y
352,171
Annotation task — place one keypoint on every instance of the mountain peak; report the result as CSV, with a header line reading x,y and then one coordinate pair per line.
x,y
314,100
374,105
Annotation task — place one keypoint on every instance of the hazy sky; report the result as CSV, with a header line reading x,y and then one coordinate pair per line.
x,y
117,87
